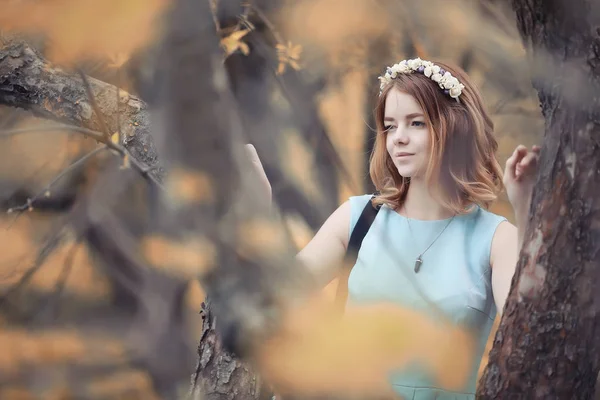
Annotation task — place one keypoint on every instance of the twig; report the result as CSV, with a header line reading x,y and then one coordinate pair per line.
x,y
145,171
261,15
38,263
52,299
213,8
63,127
11,223
46,191
98,136
243,18
92,98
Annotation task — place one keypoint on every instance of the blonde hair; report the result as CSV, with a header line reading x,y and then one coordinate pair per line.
x,y
462,145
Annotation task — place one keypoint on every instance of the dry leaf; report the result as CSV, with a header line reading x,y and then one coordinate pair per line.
x,y
234,42
288,55
115,138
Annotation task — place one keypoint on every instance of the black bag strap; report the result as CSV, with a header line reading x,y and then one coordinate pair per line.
x,y
356,238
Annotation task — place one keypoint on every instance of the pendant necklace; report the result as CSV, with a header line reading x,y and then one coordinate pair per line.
x,y
419,260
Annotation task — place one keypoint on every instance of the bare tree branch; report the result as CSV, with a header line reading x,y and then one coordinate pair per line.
x,y
50,305
46,192
56,238
92,99
27,81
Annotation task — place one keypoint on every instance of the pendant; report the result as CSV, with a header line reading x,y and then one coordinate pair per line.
x,y
418,263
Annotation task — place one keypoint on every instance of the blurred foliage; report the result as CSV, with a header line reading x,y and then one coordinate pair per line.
x,y
321,58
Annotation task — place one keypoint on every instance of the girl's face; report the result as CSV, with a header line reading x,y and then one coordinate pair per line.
x,y
408,136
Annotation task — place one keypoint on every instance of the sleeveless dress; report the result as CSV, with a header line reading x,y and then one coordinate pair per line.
x,y
455,276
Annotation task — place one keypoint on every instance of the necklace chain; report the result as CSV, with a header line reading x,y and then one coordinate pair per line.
x,y
419,260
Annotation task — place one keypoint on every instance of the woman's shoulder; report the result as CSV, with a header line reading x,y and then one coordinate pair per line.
x,y
360,201
357,205
485,221
483,214
362,197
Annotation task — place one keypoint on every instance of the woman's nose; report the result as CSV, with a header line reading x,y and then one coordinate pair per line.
x,y
400,136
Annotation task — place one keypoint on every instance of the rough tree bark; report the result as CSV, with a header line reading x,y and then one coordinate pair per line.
x,y
219,374
27,81
547,344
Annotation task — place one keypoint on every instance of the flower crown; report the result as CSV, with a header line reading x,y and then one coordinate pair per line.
x,y
450,84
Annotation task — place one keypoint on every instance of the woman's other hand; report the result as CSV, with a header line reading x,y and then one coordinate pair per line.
x,y
519,178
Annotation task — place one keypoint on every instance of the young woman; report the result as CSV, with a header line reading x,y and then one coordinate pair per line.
x,y
433,244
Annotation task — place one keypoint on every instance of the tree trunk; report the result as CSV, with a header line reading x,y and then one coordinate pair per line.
x,y
202,137
219,374
547,344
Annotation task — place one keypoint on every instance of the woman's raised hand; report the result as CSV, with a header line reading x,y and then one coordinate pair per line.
x,y
265,189
519,178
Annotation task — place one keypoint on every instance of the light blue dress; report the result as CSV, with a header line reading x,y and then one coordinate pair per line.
x,y
455,277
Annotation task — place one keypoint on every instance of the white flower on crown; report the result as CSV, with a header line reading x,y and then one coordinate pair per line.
x,y
430,70
450,82
400,69
414,64
385,79
447,77
445,81
437,77
456,91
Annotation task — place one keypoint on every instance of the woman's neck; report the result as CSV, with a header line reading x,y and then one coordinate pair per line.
x,y
421,204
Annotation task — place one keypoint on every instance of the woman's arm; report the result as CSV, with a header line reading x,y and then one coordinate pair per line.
x,y
519,177
503,259
324,253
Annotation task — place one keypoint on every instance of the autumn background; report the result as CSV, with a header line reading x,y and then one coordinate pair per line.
x,y
304,74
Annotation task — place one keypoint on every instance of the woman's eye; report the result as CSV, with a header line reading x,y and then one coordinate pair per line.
x,y
388,128
418,124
